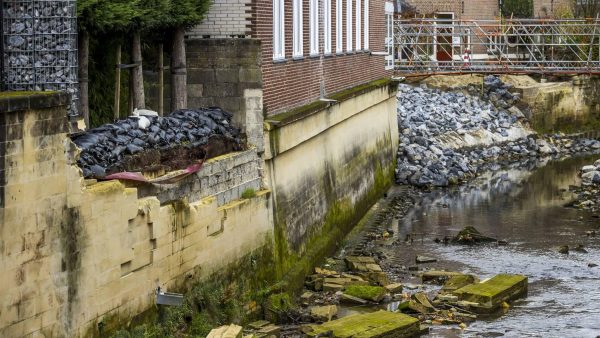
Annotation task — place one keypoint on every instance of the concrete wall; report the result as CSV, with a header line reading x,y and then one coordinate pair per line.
x,y
326,167
569,106
227,73
79,257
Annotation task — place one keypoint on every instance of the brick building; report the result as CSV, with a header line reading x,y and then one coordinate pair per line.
x,y
458,9
309,48
482,9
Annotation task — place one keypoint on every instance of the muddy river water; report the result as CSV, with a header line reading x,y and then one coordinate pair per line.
x,y
524,205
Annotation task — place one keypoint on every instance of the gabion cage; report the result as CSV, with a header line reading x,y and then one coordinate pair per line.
x,y
39,42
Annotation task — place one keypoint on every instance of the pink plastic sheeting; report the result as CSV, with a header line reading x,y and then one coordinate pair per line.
x,y
170,178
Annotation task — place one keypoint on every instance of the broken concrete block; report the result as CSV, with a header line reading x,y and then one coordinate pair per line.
x,y
332,287
228,331
490,294
420,303
323,313
438,276
269,331
378,324
394,288
379,278
425,259
258,324
456,282
344,298
372,293
364,264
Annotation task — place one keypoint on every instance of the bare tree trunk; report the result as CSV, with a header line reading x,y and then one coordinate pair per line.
x,y
178,71
117,108
161,80
137,73
84,59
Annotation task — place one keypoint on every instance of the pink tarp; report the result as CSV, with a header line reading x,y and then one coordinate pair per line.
x,y
170,178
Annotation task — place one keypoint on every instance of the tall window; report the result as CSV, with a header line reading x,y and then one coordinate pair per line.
x,y
349,25
366,25
278,30
358,22
327,26
298,34
339,43
314,27
389,36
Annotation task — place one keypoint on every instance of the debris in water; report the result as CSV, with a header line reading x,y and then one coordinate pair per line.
x,y
470,235
425,259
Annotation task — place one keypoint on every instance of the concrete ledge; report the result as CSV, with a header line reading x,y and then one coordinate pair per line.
x,y
378,324
282,119
19,101
288,130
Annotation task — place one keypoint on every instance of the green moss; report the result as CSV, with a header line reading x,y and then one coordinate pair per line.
x,y
280,302
339,220
5,95
376,324
494,286
248,193
230,296
374,293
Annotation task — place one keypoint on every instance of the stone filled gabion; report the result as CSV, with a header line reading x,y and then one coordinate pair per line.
x,y
40,46
103,148
425,115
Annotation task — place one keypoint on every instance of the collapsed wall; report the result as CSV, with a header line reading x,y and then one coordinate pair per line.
x,y
81,257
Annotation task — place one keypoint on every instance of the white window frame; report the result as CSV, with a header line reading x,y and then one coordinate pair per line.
x,y
278,30
358,25
349,45
326,27
389,36
366,25
314,27
298,38
339,26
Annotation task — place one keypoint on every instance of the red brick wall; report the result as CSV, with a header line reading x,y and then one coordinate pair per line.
x,y
292,83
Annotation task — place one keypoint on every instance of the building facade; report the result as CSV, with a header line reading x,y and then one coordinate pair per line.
x,y
310,48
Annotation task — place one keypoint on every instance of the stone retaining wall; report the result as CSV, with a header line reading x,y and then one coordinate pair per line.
x,y
80,258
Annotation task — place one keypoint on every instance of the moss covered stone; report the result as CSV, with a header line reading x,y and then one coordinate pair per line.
x,y
492,293
380,324
374,293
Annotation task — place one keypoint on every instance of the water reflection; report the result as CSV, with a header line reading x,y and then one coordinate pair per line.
x,y
525,206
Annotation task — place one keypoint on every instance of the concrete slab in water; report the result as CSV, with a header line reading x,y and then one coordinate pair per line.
x,y
491,293
380,324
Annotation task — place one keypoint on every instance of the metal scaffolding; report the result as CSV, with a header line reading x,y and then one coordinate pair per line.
x,y
548,46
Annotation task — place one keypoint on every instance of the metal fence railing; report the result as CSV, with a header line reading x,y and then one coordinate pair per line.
x,y
427,46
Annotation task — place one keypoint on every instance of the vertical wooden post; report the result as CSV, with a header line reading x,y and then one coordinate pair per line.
x,y
161,80
117,84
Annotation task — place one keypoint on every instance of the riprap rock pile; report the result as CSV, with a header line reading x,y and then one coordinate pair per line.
x,y
105,147
445,137
497,92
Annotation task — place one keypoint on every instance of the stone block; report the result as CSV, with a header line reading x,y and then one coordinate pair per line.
x,y
492,293
229,331
195,90
378,324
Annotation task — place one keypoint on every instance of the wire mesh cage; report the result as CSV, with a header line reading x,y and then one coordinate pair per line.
x,y
39,45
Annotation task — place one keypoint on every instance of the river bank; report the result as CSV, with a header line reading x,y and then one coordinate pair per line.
x,y
526,206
